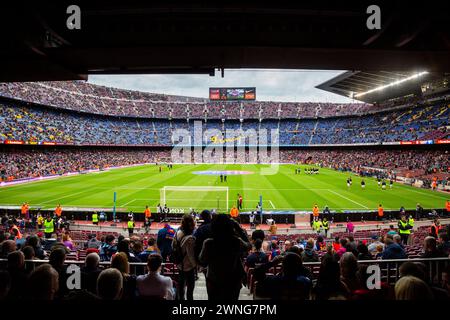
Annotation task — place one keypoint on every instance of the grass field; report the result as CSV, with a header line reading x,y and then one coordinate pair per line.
x,y
140,186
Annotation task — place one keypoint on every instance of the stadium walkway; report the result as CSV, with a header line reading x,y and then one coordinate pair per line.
x,y
200,292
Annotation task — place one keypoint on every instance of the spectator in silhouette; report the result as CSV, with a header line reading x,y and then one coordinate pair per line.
x,y
203,232
292,284
363,252
329,284
16,269
420,270
5,284
120,262
110,284
444,243
90,272
349,268
43,283
185,242
153,285
258,256
430,249
56,260
33,241
412,288
222,254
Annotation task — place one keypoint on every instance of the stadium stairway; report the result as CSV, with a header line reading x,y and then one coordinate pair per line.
x,y
200,292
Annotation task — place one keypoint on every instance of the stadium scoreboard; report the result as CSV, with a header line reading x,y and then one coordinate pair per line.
x,y
232,94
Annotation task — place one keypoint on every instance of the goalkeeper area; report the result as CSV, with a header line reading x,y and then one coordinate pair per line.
x,y
139,186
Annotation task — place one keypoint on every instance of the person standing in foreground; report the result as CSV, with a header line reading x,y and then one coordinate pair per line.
x,y
222,254
184,244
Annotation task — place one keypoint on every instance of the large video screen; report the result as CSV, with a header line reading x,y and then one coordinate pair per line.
x,y
232,94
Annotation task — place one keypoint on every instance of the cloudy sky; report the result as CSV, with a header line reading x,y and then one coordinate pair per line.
x,y
275,85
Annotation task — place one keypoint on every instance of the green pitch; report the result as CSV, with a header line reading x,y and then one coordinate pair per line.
x,y
140,186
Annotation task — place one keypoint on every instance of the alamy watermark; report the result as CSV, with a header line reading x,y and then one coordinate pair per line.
x,y
212,145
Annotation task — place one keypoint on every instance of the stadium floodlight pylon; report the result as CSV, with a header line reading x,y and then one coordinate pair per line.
x,y
187,197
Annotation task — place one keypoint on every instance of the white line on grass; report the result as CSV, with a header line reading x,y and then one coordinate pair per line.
x,y
132,200
63,197
272,204
344,197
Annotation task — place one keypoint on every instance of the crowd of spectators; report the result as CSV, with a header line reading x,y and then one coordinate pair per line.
x,y
45,162
39,124
221,249
25,163
86,97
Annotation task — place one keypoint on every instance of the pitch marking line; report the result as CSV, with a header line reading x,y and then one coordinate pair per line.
x,y
272,204
63,197
344,197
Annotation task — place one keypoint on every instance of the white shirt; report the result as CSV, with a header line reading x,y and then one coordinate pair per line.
x,y
155,285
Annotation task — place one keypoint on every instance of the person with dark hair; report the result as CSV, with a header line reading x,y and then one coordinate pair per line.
x,y
56,260
120,262
363,252
108,248
258,256
184,244
292,284
5,284
164,241
329,284
203,232
110,284
444,243
153,285
16,269
222,253
33,241
43,283
310,255
124,246
430,249
6,247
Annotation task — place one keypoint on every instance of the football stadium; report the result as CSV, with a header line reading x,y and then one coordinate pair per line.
x,y
265,190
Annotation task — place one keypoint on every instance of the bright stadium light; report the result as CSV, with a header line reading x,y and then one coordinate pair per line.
x,y
412,77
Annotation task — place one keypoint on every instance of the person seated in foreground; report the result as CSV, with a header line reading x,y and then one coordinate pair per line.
x,y
153,285
291,284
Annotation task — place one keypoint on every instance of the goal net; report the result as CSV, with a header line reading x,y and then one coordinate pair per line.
x,y
195,197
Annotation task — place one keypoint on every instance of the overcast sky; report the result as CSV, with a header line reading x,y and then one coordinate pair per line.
x,y
275,85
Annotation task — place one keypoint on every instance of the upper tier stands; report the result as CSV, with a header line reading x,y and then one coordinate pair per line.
x,y
86,97
38,124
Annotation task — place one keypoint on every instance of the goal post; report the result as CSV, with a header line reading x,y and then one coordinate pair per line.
x,y
196,197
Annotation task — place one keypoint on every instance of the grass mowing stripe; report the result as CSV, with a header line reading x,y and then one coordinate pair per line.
x,y
355,202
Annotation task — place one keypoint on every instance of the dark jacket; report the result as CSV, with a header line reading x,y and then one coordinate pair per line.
x,y
393,251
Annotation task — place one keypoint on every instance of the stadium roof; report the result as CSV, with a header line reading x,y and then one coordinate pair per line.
x,y
363,85
118,37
